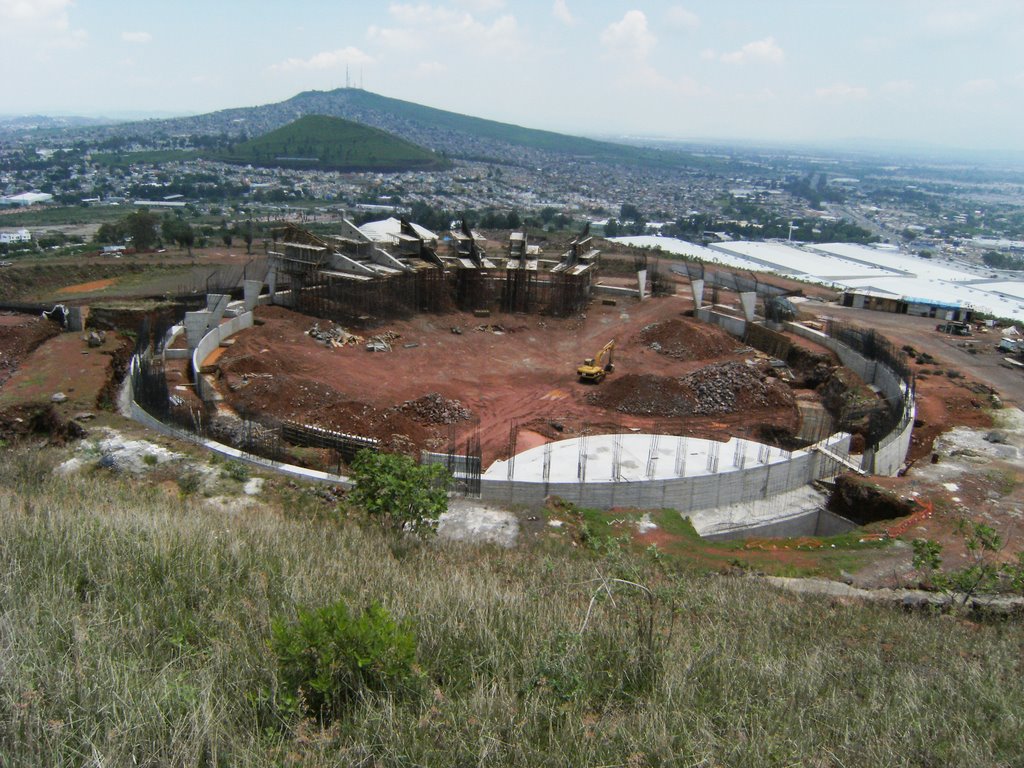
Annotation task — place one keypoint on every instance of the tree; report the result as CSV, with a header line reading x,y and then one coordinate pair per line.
x,y
227,237
178,231
629,212
247,236
141,228
400,494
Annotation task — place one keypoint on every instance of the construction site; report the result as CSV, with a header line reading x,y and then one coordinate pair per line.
x,y
534,377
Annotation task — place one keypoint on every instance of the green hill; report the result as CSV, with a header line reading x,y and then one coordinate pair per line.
x,y
446,133
331,144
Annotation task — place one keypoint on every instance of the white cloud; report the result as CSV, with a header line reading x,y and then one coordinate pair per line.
x,y
842,92
482,6
324,60
981,86
39,24
681,18
561,12
35,12
630,36
136,37
766,50
419,26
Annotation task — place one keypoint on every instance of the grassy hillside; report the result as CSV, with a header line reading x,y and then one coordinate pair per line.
x,y
135,626
330,143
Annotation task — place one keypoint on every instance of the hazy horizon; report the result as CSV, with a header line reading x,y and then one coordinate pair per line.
x,y
939,75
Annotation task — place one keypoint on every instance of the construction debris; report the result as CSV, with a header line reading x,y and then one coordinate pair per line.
x,y
381,342
334,336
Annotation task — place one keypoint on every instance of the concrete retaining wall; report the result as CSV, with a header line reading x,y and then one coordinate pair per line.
x,y
685,494
737,326
131,409
891,452
210,342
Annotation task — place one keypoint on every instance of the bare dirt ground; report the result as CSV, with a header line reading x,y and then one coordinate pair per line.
x,y
508,369
19,335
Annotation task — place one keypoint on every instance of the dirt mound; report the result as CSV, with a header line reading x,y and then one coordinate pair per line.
x,y
435,409
716,389
687,339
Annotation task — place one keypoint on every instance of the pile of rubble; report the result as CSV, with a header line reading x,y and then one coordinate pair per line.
x,y
730,387
716,389
645,395
435,409
333,336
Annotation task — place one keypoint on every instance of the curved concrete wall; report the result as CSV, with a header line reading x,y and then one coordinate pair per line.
x,y
210,342
701,490
891,452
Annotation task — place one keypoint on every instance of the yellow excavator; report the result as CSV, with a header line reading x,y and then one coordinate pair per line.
x,y
595,368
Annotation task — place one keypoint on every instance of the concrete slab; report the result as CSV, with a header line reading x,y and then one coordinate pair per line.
x,y
470,521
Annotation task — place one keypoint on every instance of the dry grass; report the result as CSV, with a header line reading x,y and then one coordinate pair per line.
x,y
134,629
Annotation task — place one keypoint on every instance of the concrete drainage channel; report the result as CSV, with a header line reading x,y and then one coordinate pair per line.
x,y
729,490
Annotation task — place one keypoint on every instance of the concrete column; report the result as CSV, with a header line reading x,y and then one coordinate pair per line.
x,y
76,318
196,325
216,303
749,301
641,279
252,290
272,282
698,293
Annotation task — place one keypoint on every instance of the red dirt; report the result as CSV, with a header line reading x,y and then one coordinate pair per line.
x,y
95,285
65,363
19,335
686,339
525,375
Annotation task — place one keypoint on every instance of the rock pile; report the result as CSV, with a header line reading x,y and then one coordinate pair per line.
x,y
716,389
435,409
729,387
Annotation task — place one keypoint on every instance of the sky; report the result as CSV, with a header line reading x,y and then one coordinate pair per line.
x,y
925,73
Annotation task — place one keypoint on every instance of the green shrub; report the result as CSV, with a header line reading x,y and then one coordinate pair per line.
x,y
402,495
235,470
329,659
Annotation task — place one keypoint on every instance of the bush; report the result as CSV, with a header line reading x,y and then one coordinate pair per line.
x,y
329,659
401,494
